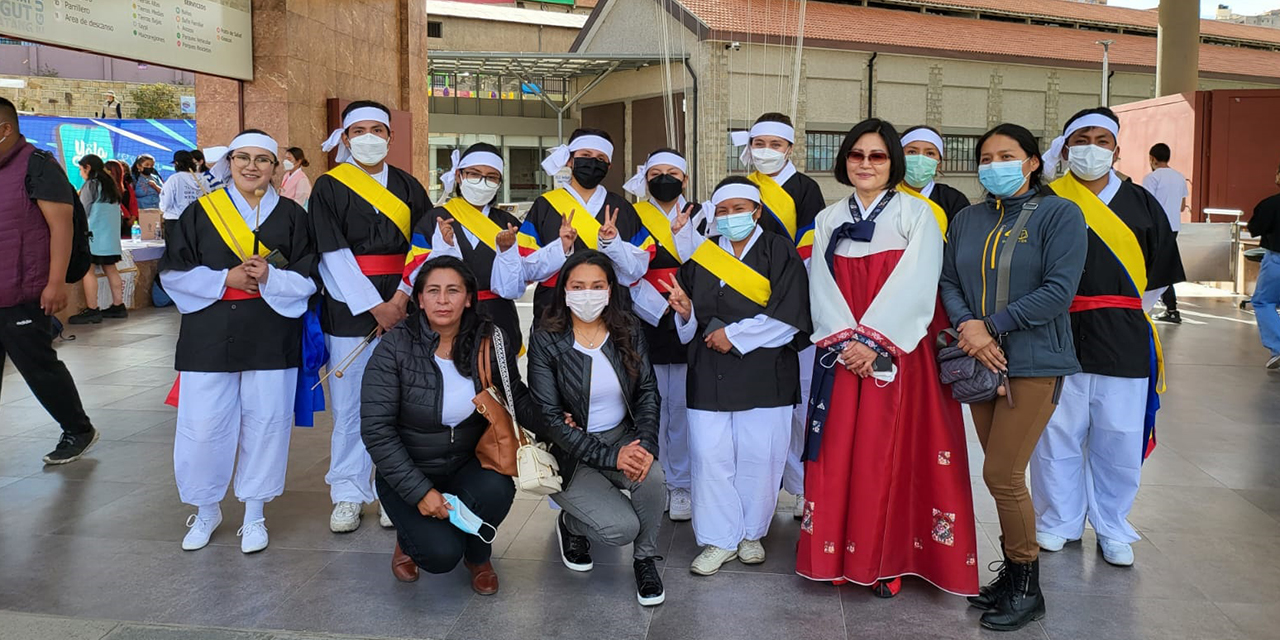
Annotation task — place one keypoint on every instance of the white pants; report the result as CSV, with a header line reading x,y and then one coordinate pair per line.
x,y
350,476
220,414
793,476
673,429
1089,460
737,460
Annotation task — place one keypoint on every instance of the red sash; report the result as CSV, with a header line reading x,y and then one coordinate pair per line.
x,y
381,265
488,295
659,277
232,295
1090,303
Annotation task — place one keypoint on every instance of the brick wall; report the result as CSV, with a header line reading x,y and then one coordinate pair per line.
x,y
70,97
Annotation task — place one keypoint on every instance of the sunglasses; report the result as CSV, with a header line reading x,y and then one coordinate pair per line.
x,y
875,157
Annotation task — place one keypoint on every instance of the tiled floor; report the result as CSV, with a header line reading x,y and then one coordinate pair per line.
x,y
94,545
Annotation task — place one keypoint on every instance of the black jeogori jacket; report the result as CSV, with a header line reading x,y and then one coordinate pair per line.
x,y
560,379
400,409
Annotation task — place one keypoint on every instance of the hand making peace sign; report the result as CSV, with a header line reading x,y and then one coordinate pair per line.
x,y
609,230
568,235
678,300
682,218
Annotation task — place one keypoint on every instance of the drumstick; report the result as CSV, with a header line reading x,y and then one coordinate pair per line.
x,y
346,362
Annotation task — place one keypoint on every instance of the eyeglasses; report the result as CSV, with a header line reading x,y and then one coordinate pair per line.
x,y
875,157
476,178
242,160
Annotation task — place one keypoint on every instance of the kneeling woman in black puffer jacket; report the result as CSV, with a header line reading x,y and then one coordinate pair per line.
x,y
421,428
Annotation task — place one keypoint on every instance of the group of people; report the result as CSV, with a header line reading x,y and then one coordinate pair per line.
x,y
687,359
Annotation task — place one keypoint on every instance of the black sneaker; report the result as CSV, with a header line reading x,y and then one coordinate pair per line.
x,y
575,551
115,311
649,582
71,447
1172,317
88,316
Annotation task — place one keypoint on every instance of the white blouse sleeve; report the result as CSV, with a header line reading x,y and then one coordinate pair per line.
x,y
545,262
687,329
759,332
287,292
507,278
648,304
344,281
631,261
908,300
194,289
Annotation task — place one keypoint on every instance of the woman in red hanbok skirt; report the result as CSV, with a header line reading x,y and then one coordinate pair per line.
x,y
886,473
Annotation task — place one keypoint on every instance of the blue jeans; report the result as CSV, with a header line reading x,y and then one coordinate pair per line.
x,y
1266,295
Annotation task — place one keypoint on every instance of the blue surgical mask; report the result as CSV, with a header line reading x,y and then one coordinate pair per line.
x,y
466,521
921,170
1002,179
736,226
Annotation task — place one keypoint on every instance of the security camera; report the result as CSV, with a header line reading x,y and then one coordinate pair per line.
x,y
736,46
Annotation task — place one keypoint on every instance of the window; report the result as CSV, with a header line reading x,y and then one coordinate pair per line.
x,y
820,151
960,155
435,29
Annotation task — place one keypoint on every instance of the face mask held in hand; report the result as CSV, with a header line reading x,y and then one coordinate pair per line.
x,y
588,304
921,171
467,521
736,226
589,172
368,149
1002,179
1089,161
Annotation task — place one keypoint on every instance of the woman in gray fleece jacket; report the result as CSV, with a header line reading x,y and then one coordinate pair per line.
x,y
1030,339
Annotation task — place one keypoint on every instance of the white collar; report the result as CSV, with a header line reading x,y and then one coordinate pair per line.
x,y
380,176
595,203
1113,187
727,244
927,191
671,215
866,211
265,206
785,174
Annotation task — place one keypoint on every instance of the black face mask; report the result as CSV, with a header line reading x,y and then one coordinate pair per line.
x,y
589,172
665,188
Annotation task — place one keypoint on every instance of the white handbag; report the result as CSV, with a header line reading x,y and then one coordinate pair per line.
x,y
538,472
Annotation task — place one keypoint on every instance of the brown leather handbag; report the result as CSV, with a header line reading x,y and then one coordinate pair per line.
x,y
497,447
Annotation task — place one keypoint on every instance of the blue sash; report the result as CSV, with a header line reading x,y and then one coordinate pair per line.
x,y
314,356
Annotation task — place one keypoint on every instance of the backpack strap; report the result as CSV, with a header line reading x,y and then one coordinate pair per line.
x,y
1006,253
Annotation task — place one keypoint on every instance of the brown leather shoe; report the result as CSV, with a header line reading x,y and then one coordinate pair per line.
x,y
484,580
403,567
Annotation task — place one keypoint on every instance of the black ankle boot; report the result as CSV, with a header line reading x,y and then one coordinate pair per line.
x,y
990,594
1021,602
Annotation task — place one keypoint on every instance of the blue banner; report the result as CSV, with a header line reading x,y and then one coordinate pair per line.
x,y
69,139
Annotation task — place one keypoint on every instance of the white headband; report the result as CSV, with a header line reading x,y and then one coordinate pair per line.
x,y
260,140
219,158
1053,156
638,185
476,159
923,135
559,156
743,138
727,192
360,114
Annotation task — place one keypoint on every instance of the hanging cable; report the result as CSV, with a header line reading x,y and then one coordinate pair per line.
x,y
795,72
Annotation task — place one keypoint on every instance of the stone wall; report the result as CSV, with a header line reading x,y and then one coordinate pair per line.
x,y
307,52
68,97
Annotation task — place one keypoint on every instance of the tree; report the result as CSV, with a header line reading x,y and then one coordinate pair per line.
x,y
155,101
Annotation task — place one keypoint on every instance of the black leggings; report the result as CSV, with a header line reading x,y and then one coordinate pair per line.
x,y
436,545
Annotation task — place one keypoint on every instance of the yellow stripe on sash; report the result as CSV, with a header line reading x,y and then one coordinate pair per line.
x,y
734,272
475,221
375,194
778,200
588,227
1119,238
659,227
935,207
226,218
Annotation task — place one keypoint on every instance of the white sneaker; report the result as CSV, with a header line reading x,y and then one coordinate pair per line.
x,y
345,518
253,536
1050,542
201,529
711,559
681,505
1273,363
1118,554
750,552
383,518
797,510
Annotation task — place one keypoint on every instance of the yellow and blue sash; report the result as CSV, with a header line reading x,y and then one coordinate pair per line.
x,y
783,208
938,212
232,228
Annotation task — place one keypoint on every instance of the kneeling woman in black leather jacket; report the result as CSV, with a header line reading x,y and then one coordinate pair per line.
x,y
421,428
589,370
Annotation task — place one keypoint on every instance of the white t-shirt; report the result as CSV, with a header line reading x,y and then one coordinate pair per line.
x,y
1169,188
455,402
608,405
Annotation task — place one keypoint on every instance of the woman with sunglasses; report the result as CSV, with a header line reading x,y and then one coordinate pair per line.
x,y
471,228
886,474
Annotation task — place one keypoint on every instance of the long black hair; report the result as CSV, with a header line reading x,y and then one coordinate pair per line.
x,y
617,316
892,144
136,169
107,189
474,325
299,155
1025,139
183,161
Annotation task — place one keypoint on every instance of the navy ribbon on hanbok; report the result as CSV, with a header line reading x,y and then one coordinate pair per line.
x,y
307,401
860,230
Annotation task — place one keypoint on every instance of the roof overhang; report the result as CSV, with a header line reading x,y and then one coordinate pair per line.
x,y
541,65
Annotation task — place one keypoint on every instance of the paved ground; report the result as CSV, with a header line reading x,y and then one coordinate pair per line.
x,y
92,548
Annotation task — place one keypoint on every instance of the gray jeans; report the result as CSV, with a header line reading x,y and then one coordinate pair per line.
x,y
594,505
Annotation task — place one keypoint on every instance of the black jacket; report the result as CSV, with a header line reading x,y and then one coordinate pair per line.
x,y
400,410
560,379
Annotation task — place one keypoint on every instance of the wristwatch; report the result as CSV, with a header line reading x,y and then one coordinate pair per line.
x,y
991,327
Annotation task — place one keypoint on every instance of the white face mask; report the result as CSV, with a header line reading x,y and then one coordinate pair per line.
x,y
767,160
478,191
588,304
368,149
1090,162
288,166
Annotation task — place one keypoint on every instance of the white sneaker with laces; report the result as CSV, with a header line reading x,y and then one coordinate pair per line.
x,y
711,559
681,505
345,518
201,529
253,536
1050,542
797,510
383,518
1273,363
1119,554
750,552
